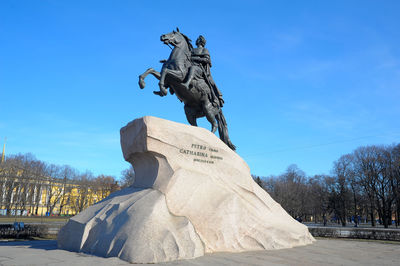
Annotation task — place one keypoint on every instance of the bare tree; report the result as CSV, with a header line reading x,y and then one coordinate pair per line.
x,y
319,197
3,175
104,186
340,192
38,174
10,184
291,191
373,170
81,199
395,182
128,177
258,180
29,184
66,174
55,187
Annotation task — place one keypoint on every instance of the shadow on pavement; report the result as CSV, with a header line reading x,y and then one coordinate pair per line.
x,y
36,244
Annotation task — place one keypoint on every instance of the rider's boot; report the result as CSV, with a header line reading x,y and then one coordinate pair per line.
x,y
189,78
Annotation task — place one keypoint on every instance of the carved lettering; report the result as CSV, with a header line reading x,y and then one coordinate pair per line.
x,y
193,151
216,157
202,161
198,146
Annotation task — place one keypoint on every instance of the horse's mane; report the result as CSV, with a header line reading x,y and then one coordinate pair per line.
x,y
188,41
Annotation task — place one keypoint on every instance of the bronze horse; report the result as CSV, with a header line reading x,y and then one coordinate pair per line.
x,y
196,97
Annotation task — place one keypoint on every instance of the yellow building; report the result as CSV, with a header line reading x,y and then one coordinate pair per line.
x,y
22,193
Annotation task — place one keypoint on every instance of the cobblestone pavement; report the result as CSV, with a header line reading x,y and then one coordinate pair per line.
x,y
323,252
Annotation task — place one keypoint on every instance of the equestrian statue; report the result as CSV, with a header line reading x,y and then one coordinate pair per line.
x,y
187,75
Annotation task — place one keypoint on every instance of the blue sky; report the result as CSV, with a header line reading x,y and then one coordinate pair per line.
x,y
304,81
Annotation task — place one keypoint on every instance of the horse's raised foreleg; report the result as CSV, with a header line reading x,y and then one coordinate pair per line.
x,y
155,73
163,90
176,74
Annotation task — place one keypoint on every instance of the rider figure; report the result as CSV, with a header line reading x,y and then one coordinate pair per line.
x,y
201,68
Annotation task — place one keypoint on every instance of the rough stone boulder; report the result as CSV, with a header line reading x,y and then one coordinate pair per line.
x,y
192,195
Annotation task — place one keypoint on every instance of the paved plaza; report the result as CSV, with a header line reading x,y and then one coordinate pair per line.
x,y
323,252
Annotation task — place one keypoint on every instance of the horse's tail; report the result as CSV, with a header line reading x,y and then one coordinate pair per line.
x,y
223,130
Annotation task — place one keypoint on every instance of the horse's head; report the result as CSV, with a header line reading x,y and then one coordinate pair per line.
x,y
176,39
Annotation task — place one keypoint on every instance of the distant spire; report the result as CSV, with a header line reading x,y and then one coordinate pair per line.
x,y
4,150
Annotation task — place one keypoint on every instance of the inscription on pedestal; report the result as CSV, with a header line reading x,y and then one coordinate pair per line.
x,y
203,154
